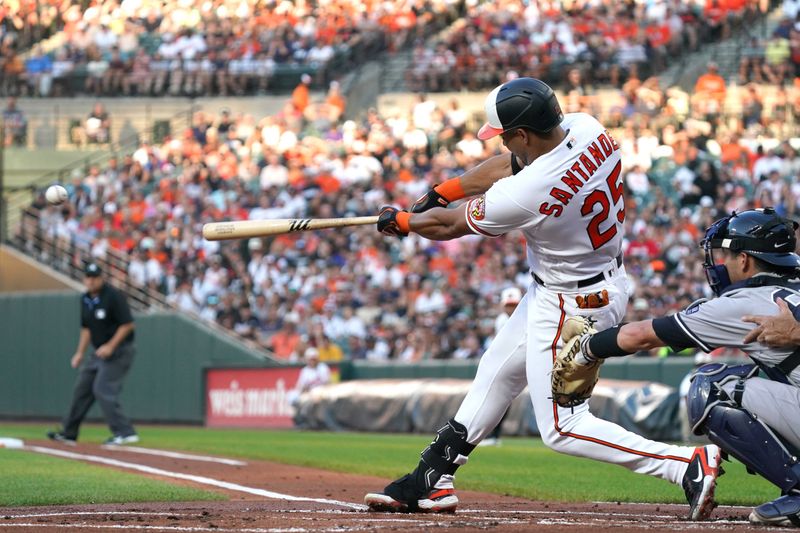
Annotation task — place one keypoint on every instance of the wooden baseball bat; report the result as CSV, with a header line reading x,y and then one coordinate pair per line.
x,y
245,229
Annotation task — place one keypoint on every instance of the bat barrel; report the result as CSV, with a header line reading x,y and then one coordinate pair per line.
x,y
246,229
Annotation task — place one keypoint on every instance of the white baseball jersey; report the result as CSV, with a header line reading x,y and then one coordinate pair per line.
x,y
568,203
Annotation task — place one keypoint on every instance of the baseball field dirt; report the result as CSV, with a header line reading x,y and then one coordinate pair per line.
x,y
270,497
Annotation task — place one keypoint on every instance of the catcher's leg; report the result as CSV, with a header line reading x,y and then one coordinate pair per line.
x,y
741,414
499,379
576,431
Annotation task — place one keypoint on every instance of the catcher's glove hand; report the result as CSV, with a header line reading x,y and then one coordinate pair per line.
x,y
572,383
429,200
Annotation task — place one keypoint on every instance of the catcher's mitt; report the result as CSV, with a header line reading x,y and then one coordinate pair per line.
x,y
571,383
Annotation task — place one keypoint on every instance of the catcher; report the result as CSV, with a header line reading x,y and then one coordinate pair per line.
x,y
752,267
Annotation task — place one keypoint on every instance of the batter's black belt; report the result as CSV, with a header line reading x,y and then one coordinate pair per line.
x,y
584,282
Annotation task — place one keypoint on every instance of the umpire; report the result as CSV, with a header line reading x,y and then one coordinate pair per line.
x,y
107,322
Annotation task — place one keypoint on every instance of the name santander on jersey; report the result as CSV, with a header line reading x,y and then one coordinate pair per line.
x,y
577,175
567,203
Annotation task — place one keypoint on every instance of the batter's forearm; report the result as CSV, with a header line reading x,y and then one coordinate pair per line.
x,y
480,178
439,224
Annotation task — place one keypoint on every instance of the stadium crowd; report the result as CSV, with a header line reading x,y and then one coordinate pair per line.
x,y
223,47
234,47
607,42
358,294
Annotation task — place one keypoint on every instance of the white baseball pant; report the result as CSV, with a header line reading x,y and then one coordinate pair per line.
x,y
523,352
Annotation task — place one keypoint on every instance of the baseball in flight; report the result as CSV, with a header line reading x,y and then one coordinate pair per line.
x,y
55,194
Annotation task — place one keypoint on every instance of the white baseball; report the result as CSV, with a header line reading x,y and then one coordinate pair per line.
x,y
56,194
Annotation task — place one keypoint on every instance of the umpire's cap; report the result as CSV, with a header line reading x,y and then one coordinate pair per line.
x,y
91,270
521,103
761,233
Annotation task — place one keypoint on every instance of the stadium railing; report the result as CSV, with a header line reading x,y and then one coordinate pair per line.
x,y
16,198
66,257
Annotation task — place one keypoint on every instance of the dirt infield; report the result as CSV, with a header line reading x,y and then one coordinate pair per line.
x,y
269,497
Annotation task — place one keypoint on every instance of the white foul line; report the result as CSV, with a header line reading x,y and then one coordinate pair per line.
x,y
94,513
721,507
188,477
174,455
165,528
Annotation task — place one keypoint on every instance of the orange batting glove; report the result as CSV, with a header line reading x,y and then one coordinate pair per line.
x,y
393,222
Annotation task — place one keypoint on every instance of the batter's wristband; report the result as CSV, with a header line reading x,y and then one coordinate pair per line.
x,y
604,344
403,218
451,189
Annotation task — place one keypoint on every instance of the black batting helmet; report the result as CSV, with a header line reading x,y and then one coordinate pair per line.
x,y
521,103
761,233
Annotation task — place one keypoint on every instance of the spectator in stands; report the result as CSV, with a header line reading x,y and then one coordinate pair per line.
x,y
63,69
328,350
774,191
284,343
182,298
300,94
39,72
751,66
752,107
96,69
777,60
314,374
247,324
336,101
98,125
13,72
15,125
709,92
117,72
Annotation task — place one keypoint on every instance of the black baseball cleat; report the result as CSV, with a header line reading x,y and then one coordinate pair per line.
x,y
409,495
700,481
57,436
785,511
436,501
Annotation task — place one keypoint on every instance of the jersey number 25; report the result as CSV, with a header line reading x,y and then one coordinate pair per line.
x,y
596,235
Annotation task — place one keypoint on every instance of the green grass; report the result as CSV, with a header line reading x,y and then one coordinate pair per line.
x,y
521,467
34,479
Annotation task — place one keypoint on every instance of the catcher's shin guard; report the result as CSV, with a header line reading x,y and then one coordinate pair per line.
x,y
753,443
719,415
442,457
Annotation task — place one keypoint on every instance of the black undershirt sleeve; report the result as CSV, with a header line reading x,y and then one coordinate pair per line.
x,y
672,334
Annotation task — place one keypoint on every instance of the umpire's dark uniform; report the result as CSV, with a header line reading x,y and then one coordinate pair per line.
x,y
102,313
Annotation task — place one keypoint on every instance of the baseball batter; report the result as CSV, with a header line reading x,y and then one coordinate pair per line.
x,y
751,265
567,201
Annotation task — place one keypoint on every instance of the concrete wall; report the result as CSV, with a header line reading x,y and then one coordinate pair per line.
x,y
39,334
21,274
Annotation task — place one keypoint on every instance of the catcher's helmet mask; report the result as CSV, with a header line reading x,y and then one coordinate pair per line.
x,y
760,233
521,103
